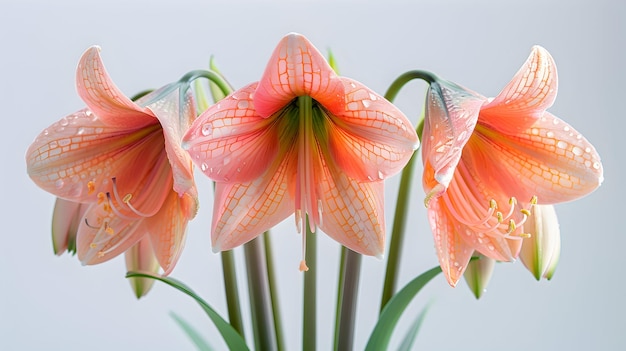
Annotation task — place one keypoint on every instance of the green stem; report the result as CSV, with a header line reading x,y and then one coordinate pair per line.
x,y
348,302
260,302
309,313
342,271
212,76
271,277
399,220
232,292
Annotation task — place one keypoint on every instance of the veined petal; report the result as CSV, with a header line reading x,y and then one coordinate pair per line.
x,y
102,236
549,158
371,139
453,252
230,141
167,229
352,212
451,115
66,218
103,97
140,258
531,91
297,68
242,211
175,120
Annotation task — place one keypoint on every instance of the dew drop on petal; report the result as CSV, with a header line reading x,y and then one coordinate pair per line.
x,y
207,129
577,151
587,149
204,167
561,144
366,103
534,131
64,122
550,134
380,175
373,97
59,183
566,128
80,131
596,165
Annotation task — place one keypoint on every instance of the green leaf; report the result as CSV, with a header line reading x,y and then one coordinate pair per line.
x,y
230,335
409,338
216,92
379,339
192,333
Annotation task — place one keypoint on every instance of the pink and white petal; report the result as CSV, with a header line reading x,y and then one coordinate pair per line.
x,y
95,244
372,139
103,97
167,230
175,120
242,211
453,252
352,212
297,68
451,115
66,217
76,150
230,142
140,258
549,159
531,91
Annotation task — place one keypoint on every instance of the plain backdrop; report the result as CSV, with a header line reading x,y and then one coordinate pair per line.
x,y
54,303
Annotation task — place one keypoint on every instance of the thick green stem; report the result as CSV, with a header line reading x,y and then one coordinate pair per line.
x,y
232,292
309,313
260,302
342,273
348,302
271,277
399,220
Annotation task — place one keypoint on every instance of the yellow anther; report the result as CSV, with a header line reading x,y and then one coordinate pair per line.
x,y
101,197
109,230
127,198
512,201
512,226
493,204
525,235
499,216
93,245
107,207
91,187
533,200
525,211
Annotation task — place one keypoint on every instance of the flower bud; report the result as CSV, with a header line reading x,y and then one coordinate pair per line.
x,y
540,252
478,273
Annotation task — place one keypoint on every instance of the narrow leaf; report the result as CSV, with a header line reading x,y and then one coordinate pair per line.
x,y
409,338
379,339
230,335
192,333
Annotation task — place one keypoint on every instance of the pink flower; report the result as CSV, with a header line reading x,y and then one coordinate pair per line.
x,y
301,140
119,169
486,161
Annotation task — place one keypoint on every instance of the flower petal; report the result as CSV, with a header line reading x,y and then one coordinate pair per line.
x,y
450,118
297,68
549,159
66,218
168,228
103,97
453,252
175,120
371,139
352,212
230,142
140,258
102,236
531,91
242,211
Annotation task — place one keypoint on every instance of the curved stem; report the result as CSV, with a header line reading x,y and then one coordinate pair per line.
x,y
345,340
309,313
213,76
232,292
260,304
399,220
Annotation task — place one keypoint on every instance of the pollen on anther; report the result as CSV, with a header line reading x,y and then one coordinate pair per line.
x,y
525,211
127,198
101,197
91,187
93,245
499,216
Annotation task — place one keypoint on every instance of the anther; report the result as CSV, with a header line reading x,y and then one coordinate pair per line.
x,y
127,198
533,200
500,217
512,226
101,197
493,204
303,266
91,187
525,212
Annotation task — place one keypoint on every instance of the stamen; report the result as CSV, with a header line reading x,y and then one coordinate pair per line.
x,y
101,197
91,187
125,200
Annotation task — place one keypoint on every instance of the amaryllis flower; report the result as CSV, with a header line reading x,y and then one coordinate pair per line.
x,y
487,161
118,167
301,140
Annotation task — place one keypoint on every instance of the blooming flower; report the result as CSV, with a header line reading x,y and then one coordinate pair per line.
x,y
487,161
301,140
117,165
540,252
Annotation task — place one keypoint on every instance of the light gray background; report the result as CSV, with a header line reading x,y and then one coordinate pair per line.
x,y
52,303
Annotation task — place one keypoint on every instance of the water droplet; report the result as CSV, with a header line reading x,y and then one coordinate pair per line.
x,y
566,128
80,131
577,151
366,103
243,104
491,247
46,132
59,183
596,165
381,175
370,178
204,167
64,122
207,129
534,131
373,97
561,144
555,121
550,134
587,149
238,170
88,113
